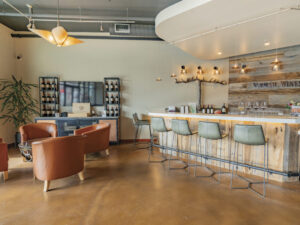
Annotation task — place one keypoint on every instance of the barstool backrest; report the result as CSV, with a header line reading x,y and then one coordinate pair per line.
x,y
135,118
158,124
209,130
181,127
249,134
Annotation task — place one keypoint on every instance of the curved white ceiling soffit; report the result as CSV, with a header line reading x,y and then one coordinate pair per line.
x,y
214,29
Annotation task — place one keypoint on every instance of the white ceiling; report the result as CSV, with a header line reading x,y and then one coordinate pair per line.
x,y
242,26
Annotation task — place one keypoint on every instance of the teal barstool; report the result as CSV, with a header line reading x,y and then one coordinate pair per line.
x,y
139,124
181,128
209,131
158,125
250,135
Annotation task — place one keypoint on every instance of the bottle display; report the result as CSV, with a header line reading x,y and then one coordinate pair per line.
x,y
48,96
112,96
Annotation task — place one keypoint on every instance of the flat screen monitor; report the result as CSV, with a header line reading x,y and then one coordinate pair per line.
x,y
81,92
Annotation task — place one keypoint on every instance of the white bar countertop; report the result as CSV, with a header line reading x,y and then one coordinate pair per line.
x,y
249,118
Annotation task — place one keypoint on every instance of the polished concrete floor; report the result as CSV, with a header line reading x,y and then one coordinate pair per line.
x,y
124,189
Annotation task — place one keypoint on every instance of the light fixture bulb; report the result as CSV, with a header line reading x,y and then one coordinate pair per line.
x,y
276,64
60,35
216,70
275,67
267,43
199,70
219,53
183,70
243,70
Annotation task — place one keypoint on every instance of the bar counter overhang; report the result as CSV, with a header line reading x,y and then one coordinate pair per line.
x,y
280,131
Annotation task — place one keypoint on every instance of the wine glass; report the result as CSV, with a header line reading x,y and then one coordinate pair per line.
x,y
249,106
264,106
256,106
242,108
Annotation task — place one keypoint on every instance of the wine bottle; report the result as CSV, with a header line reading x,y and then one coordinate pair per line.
x,y
107,111
53,85
223,109
43,97
53,97
111,111
117,99
112,99
48,99
212,109
208,109
203,109
116,111
48,85
43,84
111,86
106,98
106,86
116,86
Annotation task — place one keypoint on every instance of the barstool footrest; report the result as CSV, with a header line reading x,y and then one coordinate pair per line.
x,y
157,161
250,185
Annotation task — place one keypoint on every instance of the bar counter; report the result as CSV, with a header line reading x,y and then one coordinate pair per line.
x,y
280,131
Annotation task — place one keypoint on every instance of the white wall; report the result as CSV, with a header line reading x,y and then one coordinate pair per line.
x,y
7,68
137,63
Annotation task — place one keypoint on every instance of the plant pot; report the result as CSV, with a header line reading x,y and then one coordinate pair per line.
x,y
17,139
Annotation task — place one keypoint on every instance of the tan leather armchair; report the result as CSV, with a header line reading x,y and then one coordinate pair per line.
x,y
3,159
58,158
34,131
97,137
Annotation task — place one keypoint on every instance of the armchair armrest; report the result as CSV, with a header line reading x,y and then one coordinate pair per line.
x,y
58,157
82,130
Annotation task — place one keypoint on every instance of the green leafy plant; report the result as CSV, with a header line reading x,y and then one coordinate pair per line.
x,y
18,106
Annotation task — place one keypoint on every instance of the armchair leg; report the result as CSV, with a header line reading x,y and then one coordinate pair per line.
x,y
107,152
5,175
81,176
46,185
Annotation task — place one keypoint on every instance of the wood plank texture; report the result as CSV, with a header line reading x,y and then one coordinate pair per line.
x,y
282,146
260,82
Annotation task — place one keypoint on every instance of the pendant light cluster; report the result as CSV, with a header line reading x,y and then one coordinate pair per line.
x,y
57,36
184,77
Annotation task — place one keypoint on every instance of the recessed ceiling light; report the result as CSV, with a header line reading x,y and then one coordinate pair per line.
x,y
267,43
219,53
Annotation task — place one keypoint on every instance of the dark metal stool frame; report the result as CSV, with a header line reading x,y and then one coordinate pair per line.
x,y
251,140
158,125
139,124
181,128
213,132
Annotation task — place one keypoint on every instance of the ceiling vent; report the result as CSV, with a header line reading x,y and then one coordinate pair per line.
x,y
122,28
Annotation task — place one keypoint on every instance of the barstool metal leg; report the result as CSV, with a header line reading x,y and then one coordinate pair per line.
x,y
265,170
232,167
220,155
136,134
196,157
189,156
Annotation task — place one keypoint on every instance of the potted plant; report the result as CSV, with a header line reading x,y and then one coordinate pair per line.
x,y
18,106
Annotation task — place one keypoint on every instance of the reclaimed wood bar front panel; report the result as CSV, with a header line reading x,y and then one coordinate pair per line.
x,y
283,146
260,82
